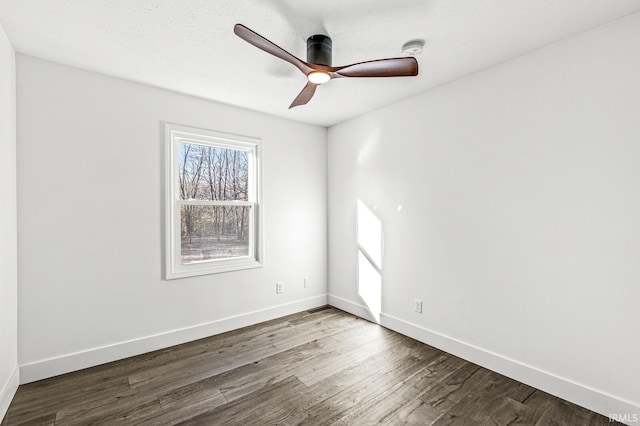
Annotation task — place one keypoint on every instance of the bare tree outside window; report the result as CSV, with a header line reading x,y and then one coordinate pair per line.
x,y
208,173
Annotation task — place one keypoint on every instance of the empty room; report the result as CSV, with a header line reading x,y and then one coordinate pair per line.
x,y
420,212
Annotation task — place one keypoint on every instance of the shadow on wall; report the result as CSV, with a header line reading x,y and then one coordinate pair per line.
x,y
369,235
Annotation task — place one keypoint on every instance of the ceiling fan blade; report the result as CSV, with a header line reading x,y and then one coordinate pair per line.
x,y
305,95
262,43
392,67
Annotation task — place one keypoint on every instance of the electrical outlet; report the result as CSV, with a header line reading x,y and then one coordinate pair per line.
x,y
279,287
417,306
307,282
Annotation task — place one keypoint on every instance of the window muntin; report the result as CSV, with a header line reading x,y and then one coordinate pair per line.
x,y
213,202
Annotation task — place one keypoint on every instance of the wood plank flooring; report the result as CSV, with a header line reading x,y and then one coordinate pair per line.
x,y
323,367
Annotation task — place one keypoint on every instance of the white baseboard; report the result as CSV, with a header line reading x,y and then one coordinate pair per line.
x,y
585,396
88,358
8,391
351,307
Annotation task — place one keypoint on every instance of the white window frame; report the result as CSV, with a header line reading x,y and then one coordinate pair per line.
x,y
174,136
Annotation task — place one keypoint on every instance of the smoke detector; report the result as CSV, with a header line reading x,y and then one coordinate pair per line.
x,y
413,47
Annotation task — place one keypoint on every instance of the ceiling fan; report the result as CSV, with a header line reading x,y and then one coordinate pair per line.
x,y
318,67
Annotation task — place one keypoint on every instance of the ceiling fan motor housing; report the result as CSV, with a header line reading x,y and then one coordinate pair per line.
x,y
319,50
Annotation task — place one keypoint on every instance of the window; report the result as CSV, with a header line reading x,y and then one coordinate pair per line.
x,y
213,202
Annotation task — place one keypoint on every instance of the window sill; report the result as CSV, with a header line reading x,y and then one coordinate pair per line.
x,y
208,269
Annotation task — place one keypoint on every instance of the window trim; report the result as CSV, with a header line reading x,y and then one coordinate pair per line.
x,y
176,134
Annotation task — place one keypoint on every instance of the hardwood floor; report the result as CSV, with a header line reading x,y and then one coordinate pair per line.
x,y
323,367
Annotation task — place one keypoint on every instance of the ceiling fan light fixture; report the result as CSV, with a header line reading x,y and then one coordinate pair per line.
x,y
318,77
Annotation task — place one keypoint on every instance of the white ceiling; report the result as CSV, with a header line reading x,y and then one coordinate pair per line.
x,y
189,45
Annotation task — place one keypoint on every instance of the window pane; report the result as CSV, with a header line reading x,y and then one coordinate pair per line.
x,y
211,173
213,232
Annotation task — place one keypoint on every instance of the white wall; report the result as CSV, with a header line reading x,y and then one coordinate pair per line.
x,y
90,178
510,205
8,245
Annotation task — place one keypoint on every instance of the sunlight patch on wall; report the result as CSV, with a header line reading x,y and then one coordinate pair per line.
x,y
369,238
370,286
370,234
